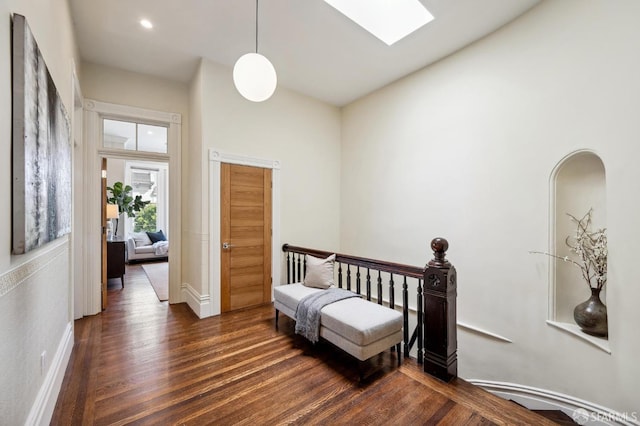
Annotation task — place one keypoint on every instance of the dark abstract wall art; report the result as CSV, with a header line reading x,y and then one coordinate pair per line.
x,y
41,148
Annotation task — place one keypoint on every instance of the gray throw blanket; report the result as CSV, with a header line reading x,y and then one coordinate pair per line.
x,y
308,310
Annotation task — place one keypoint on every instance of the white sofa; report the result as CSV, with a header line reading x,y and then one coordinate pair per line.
x,y
140,247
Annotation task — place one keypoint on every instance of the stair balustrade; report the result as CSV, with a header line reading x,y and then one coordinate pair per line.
x,y
433,287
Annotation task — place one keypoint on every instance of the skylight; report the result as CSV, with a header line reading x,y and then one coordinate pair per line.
x,y
388,20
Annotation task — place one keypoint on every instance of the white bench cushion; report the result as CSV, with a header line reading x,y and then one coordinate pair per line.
x,y
360,321
359,327
361,352
290,294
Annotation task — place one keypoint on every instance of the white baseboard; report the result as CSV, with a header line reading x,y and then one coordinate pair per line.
x,y
583,412
199,304
42,409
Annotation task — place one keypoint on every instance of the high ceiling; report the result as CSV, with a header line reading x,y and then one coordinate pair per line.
x,y
315,49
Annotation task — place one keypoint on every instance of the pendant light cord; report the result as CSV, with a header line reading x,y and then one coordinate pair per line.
x,y
256,26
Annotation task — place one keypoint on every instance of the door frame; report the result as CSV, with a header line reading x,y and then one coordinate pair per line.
x,y
216,158
78,253
94,112
103,233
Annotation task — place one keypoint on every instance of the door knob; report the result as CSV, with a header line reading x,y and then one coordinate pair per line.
x,y
226,246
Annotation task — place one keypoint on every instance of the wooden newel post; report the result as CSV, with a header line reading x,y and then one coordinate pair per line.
x,y
440,333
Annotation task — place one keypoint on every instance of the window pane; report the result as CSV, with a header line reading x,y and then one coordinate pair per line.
x,y
152,138
145,219
122,135
144,183
119,134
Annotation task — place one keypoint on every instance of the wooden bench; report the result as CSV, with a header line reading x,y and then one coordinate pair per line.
x,y
359,327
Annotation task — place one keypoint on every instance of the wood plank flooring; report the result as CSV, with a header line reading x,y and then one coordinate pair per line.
x,y
147,362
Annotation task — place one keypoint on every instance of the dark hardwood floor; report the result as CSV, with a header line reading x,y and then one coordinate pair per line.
x,y
147,362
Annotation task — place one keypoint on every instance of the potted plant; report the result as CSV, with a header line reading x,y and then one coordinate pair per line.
x,y
120,195
591,248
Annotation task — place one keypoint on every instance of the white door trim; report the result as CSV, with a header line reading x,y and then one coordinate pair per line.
x,y
78,253
216,157
94,112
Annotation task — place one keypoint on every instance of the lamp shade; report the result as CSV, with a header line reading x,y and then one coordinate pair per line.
x,y
255,77
112,211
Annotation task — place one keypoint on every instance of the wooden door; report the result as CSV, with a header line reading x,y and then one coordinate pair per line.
x,y
103,213
245,232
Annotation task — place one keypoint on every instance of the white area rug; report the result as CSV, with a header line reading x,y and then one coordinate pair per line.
x,y
158,274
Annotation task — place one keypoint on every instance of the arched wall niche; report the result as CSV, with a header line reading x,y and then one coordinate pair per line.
x,y
578,183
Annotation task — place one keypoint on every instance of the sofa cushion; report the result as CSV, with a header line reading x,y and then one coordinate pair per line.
x,y
141,239
156,236
145,249
319,272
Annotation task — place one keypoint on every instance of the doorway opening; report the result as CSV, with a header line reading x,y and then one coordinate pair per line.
x,y
140,236
140,139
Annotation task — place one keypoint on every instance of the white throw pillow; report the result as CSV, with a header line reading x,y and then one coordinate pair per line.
x,y
141,239
319,272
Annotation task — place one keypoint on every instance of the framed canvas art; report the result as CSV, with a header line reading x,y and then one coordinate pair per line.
x,y
41,148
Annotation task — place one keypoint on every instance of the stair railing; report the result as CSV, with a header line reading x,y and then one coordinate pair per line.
x,y
433,286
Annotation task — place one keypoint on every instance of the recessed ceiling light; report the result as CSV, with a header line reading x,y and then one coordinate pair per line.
x,y
390,21
146,23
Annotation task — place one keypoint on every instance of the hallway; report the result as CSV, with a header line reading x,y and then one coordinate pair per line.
x,y
149,362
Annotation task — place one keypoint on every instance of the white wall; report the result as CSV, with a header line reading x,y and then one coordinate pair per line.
x,y
194,227
300,132
35,304
464,149
113,85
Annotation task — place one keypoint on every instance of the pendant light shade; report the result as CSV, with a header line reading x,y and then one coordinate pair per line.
x,y
254,77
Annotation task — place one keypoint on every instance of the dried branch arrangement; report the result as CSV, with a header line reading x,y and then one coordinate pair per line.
x,y
591,247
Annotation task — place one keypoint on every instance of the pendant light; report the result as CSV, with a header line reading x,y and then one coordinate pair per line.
x,y
253,74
